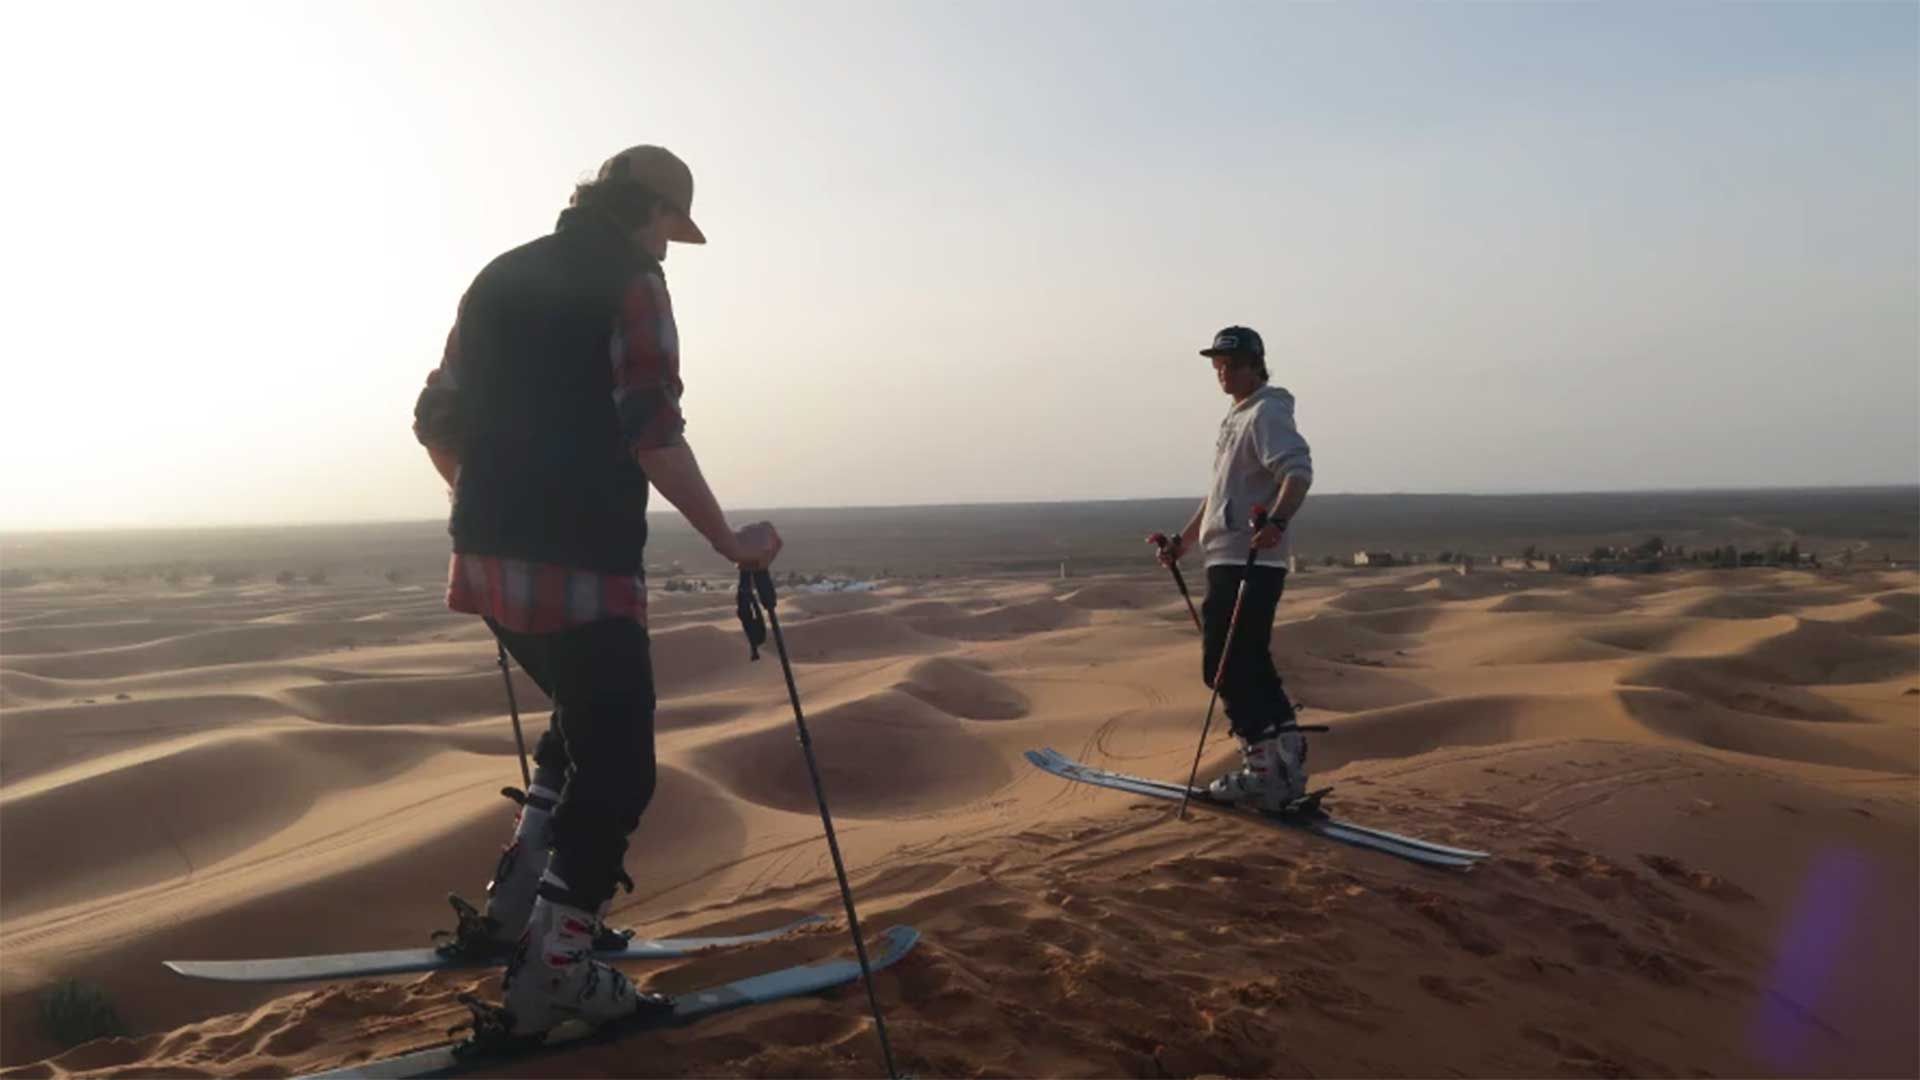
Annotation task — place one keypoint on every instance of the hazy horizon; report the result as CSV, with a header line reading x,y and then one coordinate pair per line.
x,y
966,254
660,509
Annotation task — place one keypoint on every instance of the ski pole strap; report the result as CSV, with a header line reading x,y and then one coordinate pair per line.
x,y
747,606
763,587
751,602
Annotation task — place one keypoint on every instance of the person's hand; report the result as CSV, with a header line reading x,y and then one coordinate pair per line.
x,y
756,546
1268,535
1168,549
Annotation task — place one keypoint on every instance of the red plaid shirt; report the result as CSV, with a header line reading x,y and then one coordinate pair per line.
x,y
542,598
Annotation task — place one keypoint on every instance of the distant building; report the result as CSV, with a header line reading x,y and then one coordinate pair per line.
x,y
1516,562
1373,558
1591,567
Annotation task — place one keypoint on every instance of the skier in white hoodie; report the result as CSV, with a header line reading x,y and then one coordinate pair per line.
x,y
1259,459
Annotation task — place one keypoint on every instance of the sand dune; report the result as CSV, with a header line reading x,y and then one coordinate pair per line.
x,y
223,645
19,688
1687,636
1559,601
180,805
1872,616
1872,747
1684,778
854,636
914,610
1351,688
1707,602
963,690
1336,635
884,753
1120,596
417,700
1736,684
1383,598
1901,600
1815,652
25,732
831,603
64,637
1011,620
1400,622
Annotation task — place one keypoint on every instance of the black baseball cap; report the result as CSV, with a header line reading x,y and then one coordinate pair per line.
x,y
1239,340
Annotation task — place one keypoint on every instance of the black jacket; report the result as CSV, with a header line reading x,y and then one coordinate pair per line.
x,y
545,474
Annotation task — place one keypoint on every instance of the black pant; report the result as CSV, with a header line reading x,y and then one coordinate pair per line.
x,y
1250,689
600,678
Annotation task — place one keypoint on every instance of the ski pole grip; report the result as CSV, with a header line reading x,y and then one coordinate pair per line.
x,y
1259,517
1158,540
763,587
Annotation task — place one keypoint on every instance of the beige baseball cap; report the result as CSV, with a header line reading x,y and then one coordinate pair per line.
x,y
665,175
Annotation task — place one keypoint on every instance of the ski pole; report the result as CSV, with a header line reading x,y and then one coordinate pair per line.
x,y
513,707
1226,650
1159,540
750,602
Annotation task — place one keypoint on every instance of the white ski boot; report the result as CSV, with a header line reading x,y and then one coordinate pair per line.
x,y
554,980
516,878
1272,775
516,881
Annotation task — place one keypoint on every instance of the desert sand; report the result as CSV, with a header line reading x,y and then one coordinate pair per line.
x,y
1699,789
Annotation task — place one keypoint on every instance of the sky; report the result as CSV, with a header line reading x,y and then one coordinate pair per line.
x,y
968,252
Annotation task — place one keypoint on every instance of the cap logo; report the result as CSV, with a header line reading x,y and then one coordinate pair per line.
x,y
1227,341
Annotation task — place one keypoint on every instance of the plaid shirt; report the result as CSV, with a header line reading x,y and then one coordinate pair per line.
x,y
541,598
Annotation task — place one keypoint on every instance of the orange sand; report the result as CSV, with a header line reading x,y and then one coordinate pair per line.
x,y
1700,789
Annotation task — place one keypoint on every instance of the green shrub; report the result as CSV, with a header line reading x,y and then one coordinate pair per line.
x,y
73,1012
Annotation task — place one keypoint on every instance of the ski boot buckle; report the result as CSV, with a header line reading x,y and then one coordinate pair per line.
x,y
472,935
1306,806
490,1031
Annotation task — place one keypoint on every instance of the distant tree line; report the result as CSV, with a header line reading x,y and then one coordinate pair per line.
x,y
1652,553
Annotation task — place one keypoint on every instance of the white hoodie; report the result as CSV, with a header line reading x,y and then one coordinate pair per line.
x,y
1257,448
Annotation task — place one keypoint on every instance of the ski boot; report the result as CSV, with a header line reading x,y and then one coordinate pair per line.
x,y
1272,776
491,934
553,980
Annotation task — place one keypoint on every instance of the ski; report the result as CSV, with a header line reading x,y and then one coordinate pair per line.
x,y
453,1058
1315,821
406,961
